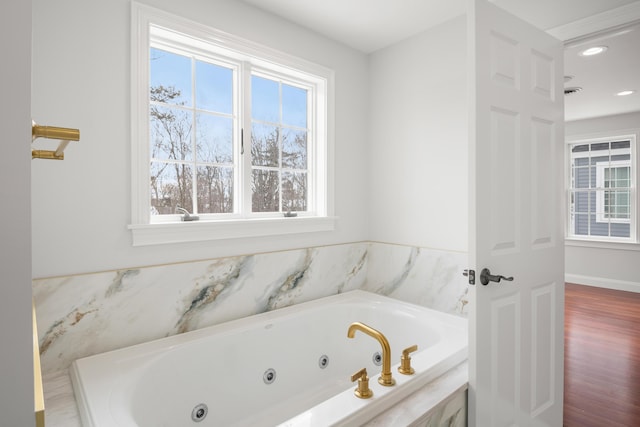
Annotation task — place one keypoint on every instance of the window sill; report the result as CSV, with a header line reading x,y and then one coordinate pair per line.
x,y
600,244
196,231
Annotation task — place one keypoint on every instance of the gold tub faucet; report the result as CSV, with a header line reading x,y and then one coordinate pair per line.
x,y
385,376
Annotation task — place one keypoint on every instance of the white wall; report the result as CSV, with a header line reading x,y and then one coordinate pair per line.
x,y
418,151
16,337
81,72
597,266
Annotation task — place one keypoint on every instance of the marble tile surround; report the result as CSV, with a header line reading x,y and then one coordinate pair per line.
x,y
92,313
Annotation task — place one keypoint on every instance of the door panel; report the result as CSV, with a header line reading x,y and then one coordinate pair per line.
x,y
543,348
516,227
505,367
504,190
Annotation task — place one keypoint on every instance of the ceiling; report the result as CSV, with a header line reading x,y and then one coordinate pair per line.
x,y
370,25
602,76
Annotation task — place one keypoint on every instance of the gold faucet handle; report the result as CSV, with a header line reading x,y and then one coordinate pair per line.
x,y
362,391
405,361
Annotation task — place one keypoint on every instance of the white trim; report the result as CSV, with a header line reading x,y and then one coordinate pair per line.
x,y
179,232
605,136
140,21
604,21
600,282
594,242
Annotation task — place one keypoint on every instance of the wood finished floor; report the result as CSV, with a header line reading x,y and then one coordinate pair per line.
x,y
602,357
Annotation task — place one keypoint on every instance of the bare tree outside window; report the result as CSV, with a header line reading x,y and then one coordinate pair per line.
x,y
191,148
170,178
278,146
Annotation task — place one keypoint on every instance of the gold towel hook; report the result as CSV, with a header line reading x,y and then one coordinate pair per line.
x,y
65,135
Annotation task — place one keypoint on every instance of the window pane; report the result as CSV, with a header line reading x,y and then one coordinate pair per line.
x,y
294,106
214,139
170,77
214,88
598,228
294,191
579,148
622,175
581,178
581,224
607,178
215,189
265,99
620,230
600,146
620,144
170,133
619,208
294,149
581,202
265,195
265,145
170,187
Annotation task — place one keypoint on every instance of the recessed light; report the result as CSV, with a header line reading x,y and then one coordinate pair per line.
x,y
595,50
626,92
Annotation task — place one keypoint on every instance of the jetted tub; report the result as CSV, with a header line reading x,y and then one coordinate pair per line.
x,y
288,367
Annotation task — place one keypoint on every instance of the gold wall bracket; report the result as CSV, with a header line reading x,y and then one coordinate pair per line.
x,y
65,135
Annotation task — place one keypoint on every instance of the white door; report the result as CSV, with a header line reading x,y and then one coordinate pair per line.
x,y
16,350
516,222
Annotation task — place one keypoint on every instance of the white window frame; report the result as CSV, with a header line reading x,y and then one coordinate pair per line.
x,y
633,241
147,230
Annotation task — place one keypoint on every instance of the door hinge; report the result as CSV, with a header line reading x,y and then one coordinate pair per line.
x,y
471,274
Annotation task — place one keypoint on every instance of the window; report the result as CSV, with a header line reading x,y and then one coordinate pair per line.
x,y
602,190
279,145
613,204
191,131
236,134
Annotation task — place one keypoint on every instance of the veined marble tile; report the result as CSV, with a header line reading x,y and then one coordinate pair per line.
x,y
426,277
88,314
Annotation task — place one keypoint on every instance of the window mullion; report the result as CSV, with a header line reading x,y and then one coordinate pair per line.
x,y
244,147
194,130
311,154
280,146
634,204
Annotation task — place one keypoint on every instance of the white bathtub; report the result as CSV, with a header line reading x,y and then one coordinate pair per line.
x,y
226,367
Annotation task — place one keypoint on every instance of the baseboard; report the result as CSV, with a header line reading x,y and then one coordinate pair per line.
x,y
620,285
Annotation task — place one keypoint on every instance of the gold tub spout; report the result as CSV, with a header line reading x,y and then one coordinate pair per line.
x,y
385,376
